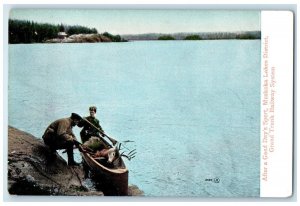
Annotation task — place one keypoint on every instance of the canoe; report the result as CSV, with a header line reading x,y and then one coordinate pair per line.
x,y
113,178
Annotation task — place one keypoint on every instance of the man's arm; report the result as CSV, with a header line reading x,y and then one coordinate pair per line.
x,y
81,123
64,130
99,127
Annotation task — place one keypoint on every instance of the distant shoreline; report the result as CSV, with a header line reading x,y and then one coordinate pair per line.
x,y
100,38
82,42
194,36
27,32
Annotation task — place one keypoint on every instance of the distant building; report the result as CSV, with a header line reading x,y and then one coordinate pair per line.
x,y
62,35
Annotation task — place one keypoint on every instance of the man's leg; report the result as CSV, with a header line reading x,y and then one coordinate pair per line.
x,y
86,169
69,147
49,141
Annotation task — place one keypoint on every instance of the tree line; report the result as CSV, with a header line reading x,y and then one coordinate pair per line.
x,y
189,37
195,36
213,36
114,38
22,31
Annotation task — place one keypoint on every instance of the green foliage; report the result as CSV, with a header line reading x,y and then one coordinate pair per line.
x,y
166,37
80,30
30,32
62,28
114,38
193,37
21,31
246,36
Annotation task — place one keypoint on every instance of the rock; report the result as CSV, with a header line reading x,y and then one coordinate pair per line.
x,y
29,178
32,172
81,38
133,190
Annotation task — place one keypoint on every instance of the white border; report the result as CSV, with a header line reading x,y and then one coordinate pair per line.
x,y
214,4
277,147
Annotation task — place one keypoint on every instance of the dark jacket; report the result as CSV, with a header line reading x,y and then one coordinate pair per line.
x,y
58,133
88,130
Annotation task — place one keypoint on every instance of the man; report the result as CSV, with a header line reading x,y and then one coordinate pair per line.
x,y
88,130
59,135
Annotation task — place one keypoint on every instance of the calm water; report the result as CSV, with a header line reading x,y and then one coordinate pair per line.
x,y
191,107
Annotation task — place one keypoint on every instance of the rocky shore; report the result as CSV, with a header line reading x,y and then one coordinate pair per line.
x,y
31,173
81,38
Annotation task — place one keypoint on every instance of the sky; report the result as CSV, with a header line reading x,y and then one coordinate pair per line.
x,y
146,21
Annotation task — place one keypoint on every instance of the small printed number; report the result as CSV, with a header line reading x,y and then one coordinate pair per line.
x,y
215,180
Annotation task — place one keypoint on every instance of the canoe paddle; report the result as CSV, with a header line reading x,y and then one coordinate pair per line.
x,y
113,141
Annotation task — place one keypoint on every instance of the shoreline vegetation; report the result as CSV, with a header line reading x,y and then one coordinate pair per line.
x,y
28,32
194,36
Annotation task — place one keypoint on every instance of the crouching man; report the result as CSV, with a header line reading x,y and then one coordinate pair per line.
x,y
59,135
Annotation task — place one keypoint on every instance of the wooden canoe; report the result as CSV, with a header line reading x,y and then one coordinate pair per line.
x,y
113,177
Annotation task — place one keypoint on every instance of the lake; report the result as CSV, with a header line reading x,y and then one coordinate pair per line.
x,y
192,108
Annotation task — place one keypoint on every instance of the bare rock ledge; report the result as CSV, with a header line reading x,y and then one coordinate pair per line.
x,y
31,173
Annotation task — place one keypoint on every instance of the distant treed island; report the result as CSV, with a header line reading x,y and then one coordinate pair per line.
x,y
166,37
22,31
194,36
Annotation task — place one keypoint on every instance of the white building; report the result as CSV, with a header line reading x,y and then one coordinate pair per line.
x,y
62,35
